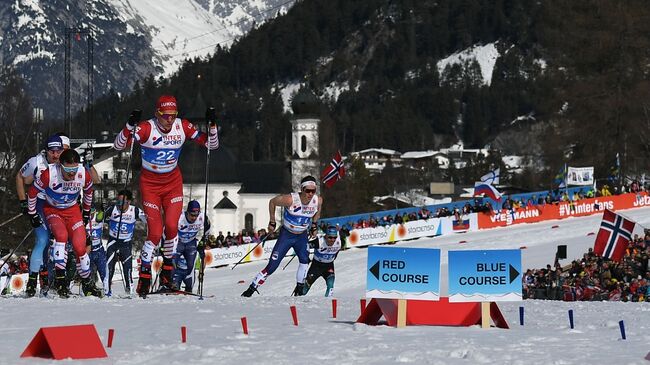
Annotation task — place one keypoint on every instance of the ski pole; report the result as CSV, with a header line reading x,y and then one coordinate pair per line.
x,y
268,235
294,251
15,249
210,117
11,219
294,256
136,114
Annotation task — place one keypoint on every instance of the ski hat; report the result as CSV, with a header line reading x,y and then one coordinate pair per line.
x,y
54,143
331,231
65,140
166,103
193,207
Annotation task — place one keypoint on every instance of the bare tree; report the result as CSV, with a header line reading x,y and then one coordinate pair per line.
x,y
16,134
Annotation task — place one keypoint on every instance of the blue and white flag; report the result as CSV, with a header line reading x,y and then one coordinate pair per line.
x,y
491,178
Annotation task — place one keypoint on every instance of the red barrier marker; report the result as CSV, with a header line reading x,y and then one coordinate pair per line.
x,y
590,234
241,282
294,314
244,325
523,247
111,332
555,226
333,308
363,305
75,342
462,241
183,334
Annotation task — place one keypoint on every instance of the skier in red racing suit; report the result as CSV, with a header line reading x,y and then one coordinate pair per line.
x,y
161,139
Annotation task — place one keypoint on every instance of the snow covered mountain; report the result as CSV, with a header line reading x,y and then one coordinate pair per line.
x,y
131,39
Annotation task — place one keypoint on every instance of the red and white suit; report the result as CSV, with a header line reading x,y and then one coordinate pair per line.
x,y
62,212
161,182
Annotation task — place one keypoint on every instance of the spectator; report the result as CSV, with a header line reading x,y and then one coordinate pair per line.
x,y
221,240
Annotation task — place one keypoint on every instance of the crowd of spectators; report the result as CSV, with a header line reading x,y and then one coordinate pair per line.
x,y
594,278
237,239
483,205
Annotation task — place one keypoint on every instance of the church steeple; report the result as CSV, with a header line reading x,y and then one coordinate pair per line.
x,y
304,136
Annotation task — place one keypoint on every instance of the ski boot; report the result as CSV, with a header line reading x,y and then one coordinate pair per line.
x,y
44,281
249,292
89,288
31,284
166,280
61,284
144,282
298,291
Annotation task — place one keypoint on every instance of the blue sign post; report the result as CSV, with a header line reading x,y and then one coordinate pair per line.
x,y
403,273
485,276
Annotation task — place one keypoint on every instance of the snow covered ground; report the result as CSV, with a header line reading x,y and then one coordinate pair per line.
x,y
148,331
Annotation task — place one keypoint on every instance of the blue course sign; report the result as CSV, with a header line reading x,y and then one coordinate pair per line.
x,y
403,273
485,276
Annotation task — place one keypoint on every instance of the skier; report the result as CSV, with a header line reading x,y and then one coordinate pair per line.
x,y
121,219
94,230
326,249
189,226
30,171
301,212
161,139
61,184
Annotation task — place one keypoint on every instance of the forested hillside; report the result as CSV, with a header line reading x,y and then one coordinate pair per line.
x,y
578,67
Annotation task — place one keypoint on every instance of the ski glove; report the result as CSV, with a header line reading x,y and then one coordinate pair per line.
x,y
24,206
35,220
211,117
85,215
88,156
313,243
134,118
200,248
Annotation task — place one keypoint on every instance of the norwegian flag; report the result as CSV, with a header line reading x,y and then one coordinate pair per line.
x,y
334,171
614,235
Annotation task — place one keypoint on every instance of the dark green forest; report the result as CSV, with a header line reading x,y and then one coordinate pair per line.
x,y
579,67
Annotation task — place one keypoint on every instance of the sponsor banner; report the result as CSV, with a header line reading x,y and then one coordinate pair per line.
x,y
372,236
15,284
231,255
562,210
395,232
413,229
580,176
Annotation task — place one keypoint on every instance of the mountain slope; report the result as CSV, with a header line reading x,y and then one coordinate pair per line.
x,y
131,40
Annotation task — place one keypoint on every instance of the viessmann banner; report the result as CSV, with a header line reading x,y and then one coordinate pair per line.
x,y
562,210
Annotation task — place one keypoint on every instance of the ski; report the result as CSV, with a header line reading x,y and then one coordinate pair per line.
x,y
178,292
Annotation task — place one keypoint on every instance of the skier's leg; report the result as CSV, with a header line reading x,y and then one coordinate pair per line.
x,y
190,258
111,260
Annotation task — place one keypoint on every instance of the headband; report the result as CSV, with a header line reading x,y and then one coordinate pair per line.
x,y
308,183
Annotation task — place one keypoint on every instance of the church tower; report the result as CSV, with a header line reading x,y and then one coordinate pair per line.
x,y
304,137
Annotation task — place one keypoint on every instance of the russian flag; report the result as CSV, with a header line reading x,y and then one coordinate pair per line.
x,y
461,224
481,188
